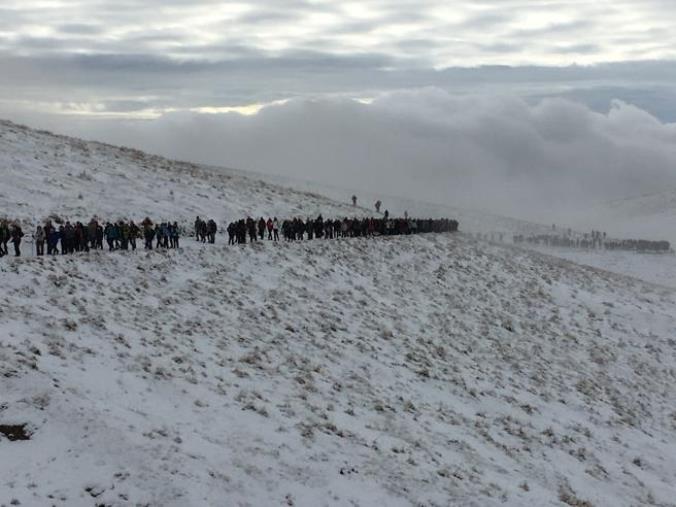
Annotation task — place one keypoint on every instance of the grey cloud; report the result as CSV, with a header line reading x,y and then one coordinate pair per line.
x,y
267,16
251,76
137,21
80,29
553,28
125,106
500,47
486,20
500,152
576,49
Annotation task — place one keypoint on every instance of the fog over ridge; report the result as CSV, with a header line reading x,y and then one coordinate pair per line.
x,y
499,153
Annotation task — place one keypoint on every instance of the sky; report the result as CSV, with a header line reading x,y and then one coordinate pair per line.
x,y
411,93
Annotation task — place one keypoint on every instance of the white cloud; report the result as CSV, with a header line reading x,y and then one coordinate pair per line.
x,y
98,67
499,153
462,32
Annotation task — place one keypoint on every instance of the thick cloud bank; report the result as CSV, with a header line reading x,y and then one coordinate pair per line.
x,y
504,154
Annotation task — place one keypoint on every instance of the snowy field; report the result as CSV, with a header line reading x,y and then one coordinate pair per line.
x,y
432,370
407,371
655,268
43,174
475,221
647,217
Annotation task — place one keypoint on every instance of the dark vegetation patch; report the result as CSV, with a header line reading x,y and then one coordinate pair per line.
x,y
15,432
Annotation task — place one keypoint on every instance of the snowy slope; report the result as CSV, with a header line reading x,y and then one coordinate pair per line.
x,y
631,218
44,174
644,216
474,221
428,370
411,371
659,269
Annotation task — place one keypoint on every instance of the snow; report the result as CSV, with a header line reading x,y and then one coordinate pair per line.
x,y
471,220
43,174
424,370
659,269
649,216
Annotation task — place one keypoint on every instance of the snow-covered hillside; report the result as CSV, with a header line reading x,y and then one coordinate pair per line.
x,y
424,370
475,221
659,269
651,216
44,174
410,371
623,219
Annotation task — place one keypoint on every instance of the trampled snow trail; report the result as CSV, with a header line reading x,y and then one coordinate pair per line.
x,y
428,370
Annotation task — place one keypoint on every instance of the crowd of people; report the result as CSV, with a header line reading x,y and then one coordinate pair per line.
x,y
596,240
297,229
11,234
68,238
205,230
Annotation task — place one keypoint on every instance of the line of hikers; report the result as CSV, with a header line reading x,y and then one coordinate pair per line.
x,y
299,229
205,230
67,238
596,240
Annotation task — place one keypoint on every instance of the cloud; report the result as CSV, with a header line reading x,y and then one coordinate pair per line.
x,y
471,102
501,153
464,32
79,29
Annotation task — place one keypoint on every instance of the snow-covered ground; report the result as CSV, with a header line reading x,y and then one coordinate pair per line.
x,y
475,221
651,216
425,370
432,370
44,174
655,268
647,217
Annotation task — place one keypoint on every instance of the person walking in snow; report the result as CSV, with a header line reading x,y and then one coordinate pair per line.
x,y
16,236
124,235
198,228
39,241
378,204
309,228
275,229
212,228
240,232
53,238
148,233
354,200
134,232
4,237
269,225
164,227
67,239
108,232
261,228
158,236
91,233
251,227
48,228
173,235
231,233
